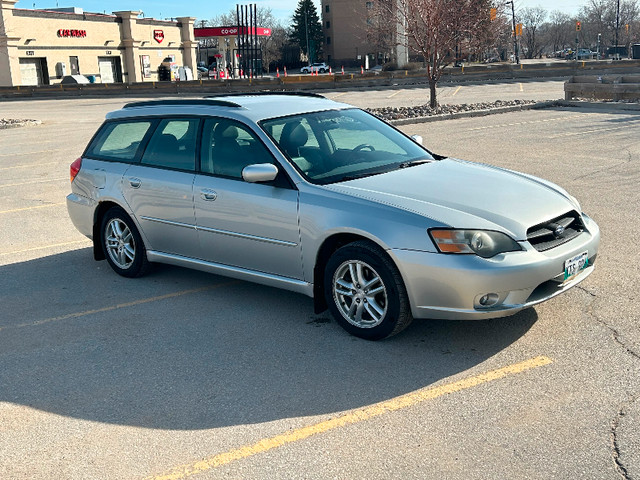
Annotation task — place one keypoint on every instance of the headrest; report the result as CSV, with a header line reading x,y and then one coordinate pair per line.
x,y
226,131
294,135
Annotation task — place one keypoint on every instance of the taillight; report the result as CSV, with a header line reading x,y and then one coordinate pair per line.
x,y
75,168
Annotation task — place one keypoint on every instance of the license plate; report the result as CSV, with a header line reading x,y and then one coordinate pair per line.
x,y
573,265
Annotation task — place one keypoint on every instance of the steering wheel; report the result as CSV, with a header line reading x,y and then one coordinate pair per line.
x,y
362,146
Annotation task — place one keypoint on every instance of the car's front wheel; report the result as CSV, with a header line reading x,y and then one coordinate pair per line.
x,y
122,244
365,292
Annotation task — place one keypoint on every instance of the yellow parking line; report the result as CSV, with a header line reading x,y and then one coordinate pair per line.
x,y
521,87
44,247
32,208
119,306
457,90
340,94
394,94
350,418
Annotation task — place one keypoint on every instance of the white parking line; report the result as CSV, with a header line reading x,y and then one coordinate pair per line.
x,y
34,181
32,165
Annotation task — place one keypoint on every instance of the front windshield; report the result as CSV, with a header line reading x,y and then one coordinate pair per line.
x,y
340,145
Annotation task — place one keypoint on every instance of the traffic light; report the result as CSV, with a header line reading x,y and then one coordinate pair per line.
x,y
578,26
518,29
493,13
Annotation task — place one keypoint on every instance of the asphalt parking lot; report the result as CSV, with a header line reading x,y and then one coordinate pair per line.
x,y
182,374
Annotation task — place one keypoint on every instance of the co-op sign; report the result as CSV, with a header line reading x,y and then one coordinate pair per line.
x,y
230,31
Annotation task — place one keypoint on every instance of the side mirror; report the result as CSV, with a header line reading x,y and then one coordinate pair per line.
x,y
259,172
417,139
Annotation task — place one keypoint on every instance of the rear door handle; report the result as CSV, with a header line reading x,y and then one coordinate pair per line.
x,y
208,195
135,182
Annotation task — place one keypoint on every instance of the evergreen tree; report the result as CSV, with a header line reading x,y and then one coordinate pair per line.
x,y
306,29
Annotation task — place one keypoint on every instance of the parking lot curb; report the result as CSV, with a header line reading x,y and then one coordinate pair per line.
x,y
475,113
602,105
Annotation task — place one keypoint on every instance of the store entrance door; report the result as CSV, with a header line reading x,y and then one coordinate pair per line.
x,y
110,69
74,65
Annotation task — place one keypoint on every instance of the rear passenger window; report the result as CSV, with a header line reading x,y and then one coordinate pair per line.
x,y
173,145
119,141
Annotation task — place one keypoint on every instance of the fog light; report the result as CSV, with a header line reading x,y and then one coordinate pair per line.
x,y
488,300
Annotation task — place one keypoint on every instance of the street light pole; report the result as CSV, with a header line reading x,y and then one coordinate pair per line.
x,y
515,38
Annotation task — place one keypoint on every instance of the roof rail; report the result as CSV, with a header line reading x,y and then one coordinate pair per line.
x,y
189,101
266,93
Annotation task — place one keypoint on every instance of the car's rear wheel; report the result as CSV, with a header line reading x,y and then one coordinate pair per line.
x,y
122,244
365,292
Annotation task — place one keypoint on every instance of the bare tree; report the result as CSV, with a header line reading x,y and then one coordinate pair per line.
x,y
558,30
434,28
532,19
599,17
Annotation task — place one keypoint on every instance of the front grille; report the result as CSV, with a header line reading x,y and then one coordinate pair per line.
x,y
555,232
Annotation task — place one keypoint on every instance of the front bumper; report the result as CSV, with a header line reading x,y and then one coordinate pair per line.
x,y
449,286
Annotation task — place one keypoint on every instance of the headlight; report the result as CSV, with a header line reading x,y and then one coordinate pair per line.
x,y
483,243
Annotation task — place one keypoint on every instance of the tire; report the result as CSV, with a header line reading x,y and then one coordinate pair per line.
x,y
376,305
122,244
322,70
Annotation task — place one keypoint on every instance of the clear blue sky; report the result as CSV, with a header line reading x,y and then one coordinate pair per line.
x,y
204,10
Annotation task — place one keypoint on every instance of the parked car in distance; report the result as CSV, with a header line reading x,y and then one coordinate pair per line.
x,y
321,198
315,67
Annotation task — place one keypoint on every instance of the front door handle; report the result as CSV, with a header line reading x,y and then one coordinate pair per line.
x,y
135,182
208,195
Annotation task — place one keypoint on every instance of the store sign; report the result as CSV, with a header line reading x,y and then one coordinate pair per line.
x,y
230,31
158,36
30,53
72,33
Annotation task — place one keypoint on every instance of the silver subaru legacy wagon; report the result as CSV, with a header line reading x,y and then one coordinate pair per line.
x,y
318,197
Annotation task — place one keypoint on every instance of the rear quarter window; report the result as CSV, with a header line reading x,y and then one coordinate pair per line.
x,y
119,141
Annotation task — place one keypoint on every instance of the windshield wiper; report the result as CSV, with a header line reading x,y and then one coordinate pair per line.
x,y
414,162
346,178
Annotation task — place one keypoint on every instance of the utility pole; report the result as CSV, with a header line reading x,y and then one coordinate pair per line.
x,y
306,32
515,38
617,25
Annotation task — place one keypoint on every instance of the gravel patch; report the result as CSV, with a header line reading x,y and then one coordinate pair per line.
x,y
400,113
16,122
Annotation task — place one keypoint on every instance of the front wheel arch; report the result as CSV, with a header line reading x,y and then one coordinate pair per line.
x,y
365,292
328,247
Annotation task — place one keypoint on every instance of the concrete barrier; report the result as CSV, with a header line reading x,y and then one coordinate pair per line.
x,y
335,81
603,87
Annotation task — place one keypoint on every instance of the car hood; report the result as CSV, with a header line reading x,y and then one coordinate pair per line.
x,y
466,195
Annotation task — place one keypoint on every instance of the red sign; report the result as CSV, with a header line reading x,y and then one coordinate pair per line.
x,y
230,32
72,33
158,36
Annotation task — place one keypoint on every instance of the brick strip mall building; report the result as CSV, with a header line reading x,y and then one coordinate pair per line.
x,y
39,47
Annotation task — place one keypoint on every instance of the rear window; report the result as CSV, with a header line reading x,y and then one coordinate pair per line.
x,y
119,141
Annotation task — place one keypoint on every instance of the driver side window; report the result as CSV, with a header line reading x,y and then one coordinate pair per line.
x,y
229,146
